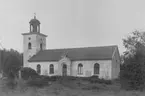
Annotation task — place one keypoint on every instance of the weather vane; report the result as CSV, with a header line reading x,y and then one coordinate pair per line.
x,y
34,15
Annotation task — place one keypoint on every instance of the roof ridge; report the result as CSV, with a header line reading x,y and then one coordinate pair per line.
x,y
82,47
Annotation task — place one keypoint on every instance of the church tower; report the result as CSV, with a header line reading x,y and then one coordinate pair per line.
x,y
33,42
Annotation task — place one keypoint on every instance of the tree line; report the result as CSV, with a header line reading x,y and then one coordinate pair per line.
x,y
10,62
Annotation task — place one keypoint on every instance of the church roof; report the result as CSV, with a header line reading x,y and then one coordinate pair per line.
x,y
86,53
34,21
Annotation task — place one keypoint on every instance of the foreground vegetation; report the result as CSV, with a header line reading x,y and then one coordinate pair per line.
x,y
65,86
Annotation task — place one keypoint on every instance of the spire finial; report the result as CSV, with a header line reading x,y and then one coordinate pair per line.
x,y
34,15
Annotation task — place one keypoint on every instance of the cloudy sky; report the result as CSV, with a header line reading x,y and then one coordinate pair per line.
x,y
71,23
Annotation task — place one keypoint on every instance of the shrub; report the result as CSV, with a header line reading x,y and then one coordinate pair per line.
x,y
69,78
54,78
27,73
95,79
41,81
37,82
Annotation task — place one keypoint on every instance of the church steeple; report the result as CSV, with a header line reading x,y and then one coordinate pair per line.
x,y
34,24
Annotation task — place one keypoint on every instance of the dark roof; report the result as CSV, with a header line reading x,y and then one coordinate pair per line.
x,y
86,53
34,21
34,33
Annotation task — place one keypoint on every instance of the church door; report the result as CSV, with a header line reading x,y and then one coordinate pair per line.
x,y
64,70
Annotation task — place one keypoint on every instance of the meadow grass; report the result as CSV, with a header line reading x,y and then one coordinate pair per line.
x,y
67,88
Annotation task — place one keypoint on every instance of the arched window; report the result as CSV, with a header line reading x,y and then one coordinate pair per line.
x,y
80,69
96,68
41,46
51,71
29,45
38,68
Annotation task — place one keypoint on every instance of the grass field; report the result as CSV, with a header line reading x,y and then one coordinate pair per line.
x,y
69,88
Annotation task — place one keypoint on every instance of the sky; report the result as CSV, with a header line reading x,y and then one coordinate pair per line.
x,y
71,23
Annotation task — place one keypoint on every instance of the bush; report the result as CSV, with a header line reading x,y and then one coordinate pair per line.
x,y
69,78
41,81
54,78
37,82
95,79
27,73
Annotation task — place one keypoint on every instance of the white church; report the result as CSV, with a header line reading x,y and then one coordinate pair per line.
x,y
102,61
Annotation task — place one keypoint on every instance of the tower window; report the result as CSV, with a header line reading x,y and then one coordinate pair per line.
x,y
41,46
29,46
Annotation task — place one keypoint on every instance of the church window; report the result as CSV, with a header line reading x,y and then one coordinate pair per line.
x,y
29,46
41,46
38,68
96,68
80,69
51,71
29,38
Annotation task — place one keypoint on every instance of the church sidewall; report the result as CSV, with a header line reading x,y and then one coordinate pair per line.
x,y
45,67
88,68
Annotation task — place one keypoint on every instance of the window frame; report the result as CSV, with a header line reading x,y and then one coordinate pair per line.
x,y
96,69
41,46
80,69
51,69
38,68
29,45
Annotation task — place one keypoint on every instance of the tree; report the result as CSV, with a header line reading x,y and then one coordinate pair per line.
x,y
11,66
11,61
133,68
130,43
